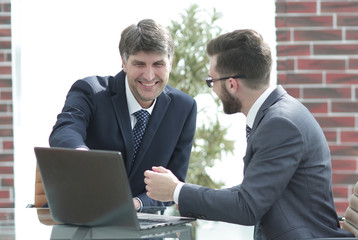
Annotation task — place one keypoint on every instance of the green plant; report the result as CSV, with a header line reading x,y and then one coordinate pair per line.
x,y
190,67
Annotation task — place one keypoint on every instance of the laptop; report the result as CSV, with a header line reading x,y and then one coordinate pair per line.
x,y
91,188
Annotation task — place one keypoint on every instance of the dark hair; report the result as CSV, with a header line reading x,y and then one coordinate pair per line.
x,y
242,52
147,36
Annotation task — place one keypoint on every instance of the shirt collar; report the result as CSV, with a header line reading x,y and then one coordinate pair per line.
x,y
256,106
133,105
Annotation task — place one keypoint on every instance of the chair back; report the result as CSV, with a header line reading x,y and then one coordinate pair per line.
x,y
40,197
350,222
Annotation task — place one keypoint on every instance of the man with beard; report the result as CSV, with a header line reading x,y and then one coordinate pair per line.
x,y
286,191
101,112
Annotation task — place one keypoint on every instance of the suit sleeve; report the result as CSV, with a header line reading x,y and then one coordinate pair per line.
x,y
277,148
179,161
70,128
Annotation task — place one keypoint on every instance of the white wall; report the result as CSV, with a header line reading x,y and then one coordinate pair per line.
x,y
57,42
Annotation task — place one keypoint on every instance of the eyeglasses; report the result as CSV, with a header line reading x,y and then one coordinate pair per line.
x,y
210,81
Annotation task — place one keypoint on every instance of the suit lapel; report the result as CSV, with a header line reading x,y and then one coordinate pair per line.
x,y
155,119
120,106
271,99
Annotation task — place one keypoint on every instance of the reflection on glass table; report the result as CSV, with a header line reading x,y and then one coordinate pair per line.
x,y
32,223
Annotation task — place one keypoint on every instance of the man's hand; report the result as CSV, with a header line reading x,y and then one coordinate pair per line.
x,y
161,184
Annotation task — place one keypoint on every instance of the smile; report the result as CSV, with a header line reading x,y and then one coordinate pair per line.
x,y
148,84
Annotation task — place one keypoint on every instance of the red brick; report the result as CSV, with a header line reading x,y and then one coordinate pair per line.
x,y
283,35
343,49
299,78
341,78
6,7
5,32
9,204
293,50
5,120
6,170
4,20
329,93
317,107
5,70
345,107
317,35
339,7
346,151
294,92
6,108
6,132
344,178
7,182
304,21
4,194
344,165
352,34
341,206
5,83
353,63
334,122
344,20
3,107
285,64
6,95
8,145
296,7
349,136
341,192
5,44
331,136
321,64
6,158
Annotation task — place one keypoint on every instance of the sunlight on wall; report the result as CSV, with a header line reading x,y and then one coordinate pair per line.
x,y
58,42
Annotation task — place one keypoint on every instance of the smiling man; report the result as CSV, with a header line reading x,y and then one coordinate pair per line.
x,y
101,112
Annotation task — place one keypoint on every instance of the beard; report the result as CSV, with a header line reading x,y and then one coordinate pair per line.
x,y
230,104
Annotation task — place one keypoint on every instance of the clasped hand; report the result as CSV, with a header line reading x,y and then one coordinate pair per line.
x,y
160,184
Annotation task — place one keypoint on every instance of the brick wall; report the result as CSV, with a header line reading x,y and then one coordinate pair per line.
x,y
317,62
6,121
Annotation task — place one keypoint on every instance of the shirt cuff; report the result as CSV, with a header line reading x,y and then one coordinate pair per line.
x,y
177,192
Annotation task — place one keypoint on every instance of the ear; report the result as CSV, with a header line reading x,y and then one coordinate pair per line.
x,y
232,85
124,65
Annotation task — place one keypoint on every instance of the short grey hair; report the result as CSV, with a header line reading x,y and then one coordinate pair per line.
x,y
147,36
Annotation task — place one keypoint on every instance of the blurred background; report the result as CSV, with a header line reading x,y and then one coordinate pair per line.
x,y
57,42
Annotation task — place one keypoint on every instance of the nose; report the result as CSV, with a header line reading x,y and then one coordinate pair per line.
x,y
149,73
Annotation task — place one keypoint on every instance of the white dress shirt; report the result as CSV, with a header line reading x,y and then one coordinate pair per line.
x,y
133,105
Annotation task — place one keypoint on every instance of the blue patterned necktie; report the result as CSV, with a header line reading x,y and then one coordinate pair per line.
x,y
139,129
248,129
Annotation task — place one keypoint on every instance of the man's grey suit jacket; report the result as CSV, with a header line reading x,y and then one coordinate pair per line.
x,y
287,178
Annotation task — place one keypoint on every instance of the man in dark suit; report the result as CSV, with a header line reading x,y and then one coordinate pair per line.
x,y
286,191
99,112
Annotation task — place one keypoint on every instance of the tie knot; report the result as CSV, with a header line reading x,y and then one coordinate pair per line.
x,y
248,129
142,115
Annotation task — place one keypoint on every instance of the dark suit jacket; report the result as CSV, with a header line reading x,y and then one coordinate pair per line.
x,y
95,115
287,178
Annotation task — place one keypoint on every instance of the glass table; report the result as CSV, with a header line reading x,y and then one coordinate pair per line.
x,y
32,223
